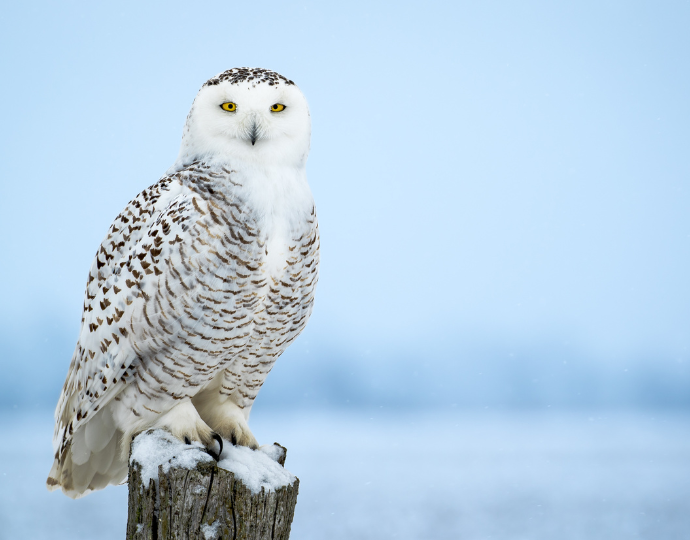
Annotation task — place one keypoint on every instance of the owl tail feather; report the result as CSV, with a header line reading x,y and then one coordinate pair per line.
x,y
91,460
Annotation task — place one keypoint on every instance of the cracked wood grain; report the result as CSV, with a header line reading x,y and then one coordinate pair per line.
x,y
206,503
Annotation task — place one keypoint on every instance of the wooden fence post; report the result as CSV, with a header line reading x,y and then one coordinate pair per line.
x,y
193,498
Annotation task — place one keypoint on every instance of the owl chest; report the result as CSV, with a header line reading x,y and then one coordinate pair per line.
x,y
246,281
255,289
288,269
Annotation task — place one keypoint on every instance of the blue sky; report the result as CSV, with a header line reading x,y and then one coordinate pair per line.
x,y
502,188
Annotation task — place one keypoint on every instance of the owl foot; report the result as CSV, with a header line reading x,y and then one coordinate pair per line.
x,y
228,421
184,422
237,432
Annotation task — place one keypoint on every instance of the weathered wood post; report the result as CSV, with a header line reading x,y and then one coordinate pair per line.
x,y
178,491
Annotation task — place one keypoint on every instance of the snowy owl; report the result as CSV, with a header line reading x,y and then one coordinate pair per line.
x,y
201,283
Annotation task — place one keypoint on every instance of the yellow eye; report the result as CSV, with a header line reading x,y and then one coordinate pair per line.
x,y
229,106
277,107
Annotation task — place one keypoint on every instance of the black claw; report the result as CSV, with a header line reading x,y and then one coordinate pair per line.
x,y
233,439
220,443
186,440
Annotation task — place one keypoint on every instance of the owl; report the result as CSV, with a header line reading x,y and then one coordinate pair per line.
x,y
199,286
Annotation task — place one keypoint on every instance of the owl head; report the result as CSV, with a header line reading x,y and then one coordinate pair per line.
x,y
250,115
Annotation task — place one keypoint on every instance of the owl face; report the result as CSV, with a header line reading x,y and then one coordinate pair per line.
x,y
249,121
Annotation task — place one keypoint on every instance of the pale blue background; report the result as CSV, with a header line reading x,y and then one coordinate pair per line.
x,y
503,188
503,191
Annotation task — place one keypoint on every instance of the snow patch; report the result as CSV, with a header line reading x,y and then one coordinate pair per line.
x,y
256,469
210,531
274,451
158,447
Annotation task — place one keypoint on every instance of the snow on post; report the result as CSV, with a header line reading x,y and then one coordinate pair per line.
x,y
177,491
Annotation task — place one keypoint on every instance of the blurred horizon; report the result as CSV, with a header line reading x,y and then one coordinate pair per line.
x,y
502,190
510,373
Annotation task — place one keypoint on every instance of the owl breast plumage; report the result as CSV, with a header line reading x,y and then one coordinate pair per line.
x,y
201,283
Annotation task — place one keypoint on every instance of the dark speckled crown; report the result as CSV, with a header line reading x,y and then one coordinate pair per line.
x,y
252,75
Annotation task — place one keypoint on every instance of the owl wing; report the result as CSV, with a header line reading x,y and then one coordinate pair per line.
x,y
165,261
112,298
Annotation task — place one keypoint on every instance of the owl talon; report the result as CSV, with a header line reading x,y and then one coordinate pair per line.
x,y
219,440
186,440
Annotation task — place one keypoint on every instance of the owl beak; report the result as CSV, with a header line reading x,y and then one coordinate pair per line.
x,y
254,132
253,128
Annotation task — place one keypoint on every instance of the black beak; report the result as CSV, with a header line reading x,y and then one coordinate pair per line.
x,y
253,134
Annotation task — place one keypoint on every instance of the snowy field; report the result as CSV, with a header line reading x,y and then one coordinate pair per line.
x,y
445,475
